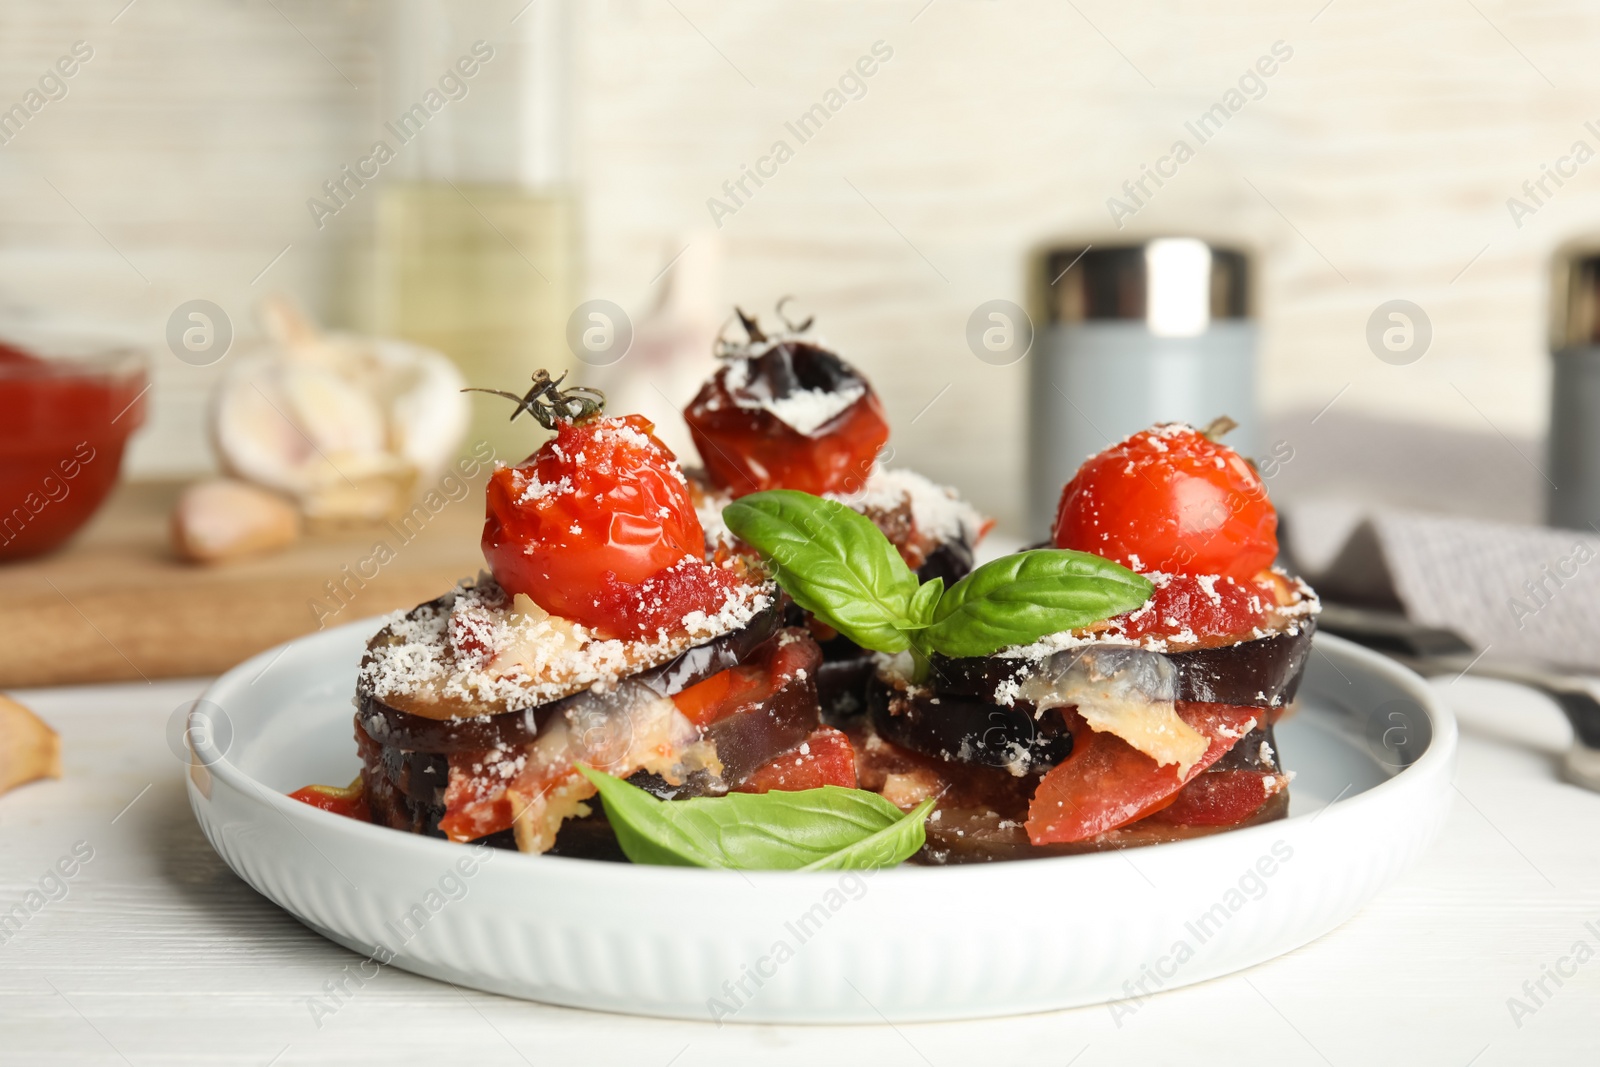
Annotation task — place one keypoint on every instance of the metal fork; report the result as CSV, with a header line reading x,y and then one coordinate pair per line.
x,y
1433,652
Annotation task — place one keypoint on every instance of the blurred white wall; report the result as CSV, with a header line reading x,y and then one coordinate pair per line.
x,y
1376,164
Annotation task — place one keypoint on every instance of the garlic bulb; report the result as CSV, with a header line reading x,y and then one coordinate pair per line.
x,y
345,425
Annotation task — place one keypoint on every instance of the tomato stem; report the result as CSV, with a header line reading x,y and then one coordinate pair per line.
x,y
547,402
725,348
1218,428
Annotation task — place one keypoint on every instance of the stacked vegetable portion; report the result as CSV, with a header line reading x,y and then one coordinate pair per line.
x,y
806,672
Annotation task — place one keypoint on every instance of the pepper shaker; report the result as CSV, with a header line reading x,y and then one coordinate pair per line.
x,y
1131,335
1573,500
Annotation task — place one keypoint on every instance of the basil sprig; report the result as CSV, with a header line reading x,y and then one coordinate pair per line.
x,y
839,566
830,828
1020,598
834,562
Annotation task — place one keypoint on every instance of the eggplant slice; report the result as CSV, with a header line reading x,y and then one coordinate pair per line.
x,y
985,758
982,810
405,757
960,720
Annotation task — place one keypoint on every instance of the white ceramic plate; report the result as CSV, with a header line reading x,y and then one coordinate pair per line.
x,y
1372,749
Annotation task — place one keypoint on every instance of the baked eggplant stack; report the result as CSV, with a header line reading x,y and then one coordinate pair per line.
x,y
783,411
604,638
1117,688
621,686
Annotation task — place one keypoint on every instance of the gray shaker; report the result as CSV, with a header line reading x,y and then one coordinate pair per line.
x,y
1574,445
1128,336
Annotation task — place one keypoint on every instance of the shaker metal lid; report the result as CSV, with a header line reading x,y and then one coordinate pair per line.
x,y
1575,297
1175,284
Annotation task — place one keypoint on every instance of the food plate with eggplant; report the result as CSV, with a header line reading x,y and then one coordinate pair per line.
x,y
760,742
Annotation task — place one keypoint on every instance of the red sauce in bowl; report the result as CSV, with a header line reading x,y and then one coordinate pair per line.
x,y
63,424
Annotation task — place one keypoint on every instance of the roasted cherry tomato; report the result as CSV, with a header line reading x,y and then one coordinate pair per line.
x,y
351,801
824,758
1107,783
795,417
1170,499
598,527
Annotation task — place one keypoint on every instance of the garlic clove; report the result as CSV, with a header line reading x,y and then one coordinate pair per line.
x,y
29,750
225,519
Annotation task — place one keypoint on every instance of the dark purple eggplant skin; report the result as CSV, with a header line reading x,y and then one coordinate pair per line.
x,y
950,560
1246,755
398,729
1264,672
950,726
959,721
842,687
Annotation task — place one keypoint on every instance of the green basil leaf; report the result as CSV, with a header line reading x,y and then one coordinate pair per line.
x,y
824,828
888,847
925,602
833,561
1020,598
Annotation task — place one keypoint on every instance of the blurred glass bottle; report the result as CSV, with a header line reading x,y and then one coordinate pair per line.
x,y
475,247
1573,497
1131,335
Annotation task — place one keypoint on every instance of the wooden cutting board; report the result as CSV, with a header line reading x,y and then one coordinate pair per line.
x,y
117,605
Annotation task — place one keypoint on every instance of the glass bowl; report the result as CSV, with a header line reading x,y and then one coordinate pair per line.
x,y
67,409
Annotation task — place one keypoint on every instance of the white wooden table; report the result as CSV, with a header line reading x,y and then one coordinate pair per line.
x,y
158,954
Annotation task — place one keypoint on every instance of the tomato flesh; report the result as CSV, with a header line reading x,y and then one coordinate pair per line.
x,y
350,801
824,758
476,802
1220,798
1170,499
1213,606
1106,782
598,527
722,693
748,686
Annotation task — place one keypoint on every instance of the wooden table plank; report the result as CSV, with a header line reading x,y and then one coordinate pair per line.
x,y
117,605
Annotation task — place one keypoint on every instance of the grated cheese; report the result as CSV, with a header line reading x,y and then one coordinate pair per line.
x,y
522,658
938,512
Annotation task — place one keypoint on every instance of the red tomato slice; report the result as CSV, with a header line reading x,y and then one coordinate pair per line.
x,y
1220,798
722,693
824,758
475,800
350,801
1107,783
748,686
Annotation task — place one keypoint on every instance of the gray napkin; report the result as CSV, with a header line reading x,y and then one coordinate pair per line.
x,y
1514,592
